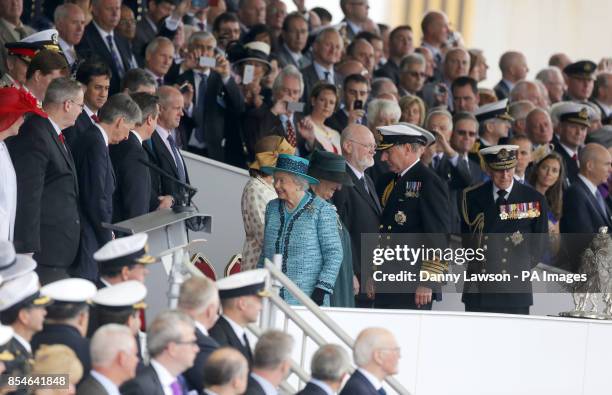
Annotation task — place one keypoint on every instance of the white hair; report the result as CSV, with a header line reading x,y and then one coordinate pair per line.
x,y
383,106
108,341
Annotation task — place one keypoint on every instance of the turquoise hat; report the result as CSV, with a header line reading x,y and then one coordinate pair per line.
x,y
291,164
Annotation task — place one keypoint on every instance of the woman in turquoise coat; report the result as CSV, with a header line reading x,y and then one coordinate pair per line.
x,y
303,228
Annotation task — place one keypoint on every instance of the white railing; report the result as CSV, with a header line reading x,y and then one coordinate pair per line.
x,y
275,304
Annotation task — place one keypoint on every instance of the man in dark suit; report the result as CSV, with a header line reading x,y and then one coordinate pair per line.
x,y
23,309
164,145
400,45
572,130
326,51
265,376
159,59
70,24
99,39
513,66
147,27
584,208
454,166
376,354
356,90
114,360
329,366
355,16
172,347
415,203
68,317
278,119
508,222
216,97
95,75
199,299
241,301
294,36
358,206
48,205
134,195
97,178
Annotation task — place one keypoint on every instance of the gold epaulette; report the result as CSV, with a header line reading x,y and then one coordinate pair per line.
x,y
478,223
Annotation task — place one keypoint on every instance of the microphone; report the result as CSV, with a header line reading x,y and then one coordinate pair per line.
x,y
182,203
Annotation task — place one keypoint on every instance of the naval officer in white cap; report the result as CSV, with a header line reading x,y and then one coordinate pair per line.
x,y
68,317
416,202
241,296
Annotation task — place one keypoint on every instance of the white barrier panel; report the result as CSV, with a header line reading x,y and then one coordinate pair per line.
x,y
492,354
219,193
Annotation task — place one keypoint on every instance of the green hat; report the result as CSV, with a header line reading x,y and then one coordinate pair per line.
x,y
329,166
291,164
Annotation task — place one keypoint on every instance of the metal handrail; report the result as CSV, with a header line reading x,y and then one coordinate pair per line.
x,y
286,309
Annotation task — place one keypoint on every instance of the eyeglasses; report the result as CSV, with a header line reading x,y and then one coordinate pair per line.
x,y
80,105
464,133
370,147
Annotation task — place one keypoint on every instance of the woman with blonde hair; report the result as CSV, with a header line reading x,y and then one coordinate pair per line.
x,y
257,192
58,359
413,110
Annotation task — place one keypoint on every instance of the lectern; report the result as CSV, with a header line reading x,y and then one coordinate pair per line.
x,y
167,232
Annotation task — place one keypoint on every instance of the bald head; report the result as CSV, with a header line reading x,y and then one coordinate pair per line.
x,y
595,163
456,64
513,66
226,367
527,91
351,67
435,28
559,60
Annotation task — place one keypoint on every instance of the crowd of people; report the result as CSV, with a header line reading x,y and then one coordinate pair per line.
x,y
346,129
88,335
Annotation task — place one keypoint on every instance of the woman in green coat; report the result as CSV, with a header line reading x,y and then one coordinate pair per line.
x,y
330,170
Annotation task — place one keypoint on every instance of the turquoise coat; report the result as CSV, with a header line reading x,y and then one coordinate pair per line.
x,y
308,239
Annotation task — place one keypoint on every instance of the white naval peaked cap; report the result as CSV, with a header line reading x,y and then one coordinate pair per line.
x,y
404,133
126,294
22,290
70,290
13,265
125,251
250,282
498,109
44,35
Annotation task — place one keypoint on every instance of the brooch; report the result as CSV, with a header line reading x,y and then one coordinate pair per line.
x,y
400,218
517,238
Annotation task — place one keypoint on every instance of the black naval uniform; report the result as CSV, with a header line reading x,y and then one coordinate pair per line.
x,y
67,335
223,333
509,243
418,205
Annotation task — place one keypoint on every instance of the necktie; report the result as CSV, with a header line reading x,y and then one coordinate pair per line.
x,y
601,202
115,55
200,107
291,136
95,118
247,345
20,32
501,197
176,388
327,74
160,81
202,26
436,161
575,158
62,138
382,391
177,159
365,184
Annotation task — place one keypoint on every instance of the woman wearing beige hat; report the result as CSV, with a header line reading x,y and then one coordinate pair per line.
x,y
58,359
257,192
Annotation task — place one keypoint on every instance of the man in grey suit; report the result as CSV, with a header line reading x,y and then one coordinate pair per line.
x,y
294,36
355,16
327,51
114,357
271,363
11,27
329,366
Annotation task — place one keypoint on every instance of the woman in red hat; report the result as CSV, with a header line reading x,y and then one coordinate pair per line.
x,y
14,104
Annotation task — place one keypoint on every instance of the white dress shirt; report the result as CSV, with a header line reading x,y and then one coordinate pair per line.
x,y
508,191
238,330
103,33
68,50
163,133
592,187
109,386
23,342
104,135
201,328
165,377
321,72
8,194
